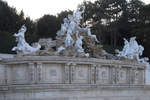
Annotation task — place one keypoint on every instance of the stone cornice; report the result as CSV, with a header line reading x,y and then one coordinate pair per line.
x,y
56,59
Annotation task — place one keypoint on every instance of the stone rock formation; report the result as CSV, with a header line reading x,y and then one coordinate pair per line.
x,y
47,47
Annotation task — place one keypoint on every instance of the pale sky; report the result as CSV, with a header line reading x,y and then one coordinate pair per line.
x,y
37,8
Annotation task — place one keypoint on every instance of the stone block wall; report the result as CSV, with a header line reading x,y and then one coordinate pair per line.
x,y
58,70
66,78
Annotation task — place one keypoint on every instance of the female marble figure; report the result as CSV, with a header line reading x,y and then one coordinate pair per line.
x,y
69,41
125,48
78,45
22,46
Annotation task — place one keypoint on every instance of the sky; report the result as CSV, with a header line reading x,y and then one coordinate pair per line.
x,y
37,8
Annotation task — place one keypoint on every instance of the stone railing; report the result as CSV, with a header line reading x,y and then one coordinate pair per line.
x,y
67,70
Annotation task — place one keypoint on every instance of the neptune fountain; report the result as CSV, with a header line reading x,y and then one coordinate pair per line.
x,y
74,67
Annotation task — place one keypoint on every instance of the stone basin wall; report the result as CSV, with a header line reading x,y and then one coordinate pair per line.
x,y
68,78
65,70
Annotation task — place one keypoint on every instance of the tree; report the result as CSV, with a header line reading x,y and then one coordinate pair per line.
x,y
134,7
47,26
9,19
142,28
105,16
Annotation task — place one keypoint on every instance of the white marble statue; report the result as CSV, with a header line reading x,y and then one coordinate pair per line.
x,y
22,46
69,41
72,31
77,15
78,45
69,28
132,50
93,36
125,49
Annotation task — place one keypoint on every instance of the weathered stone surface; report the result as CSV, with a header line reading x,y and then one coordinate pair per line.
x,y
69,78
76,92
